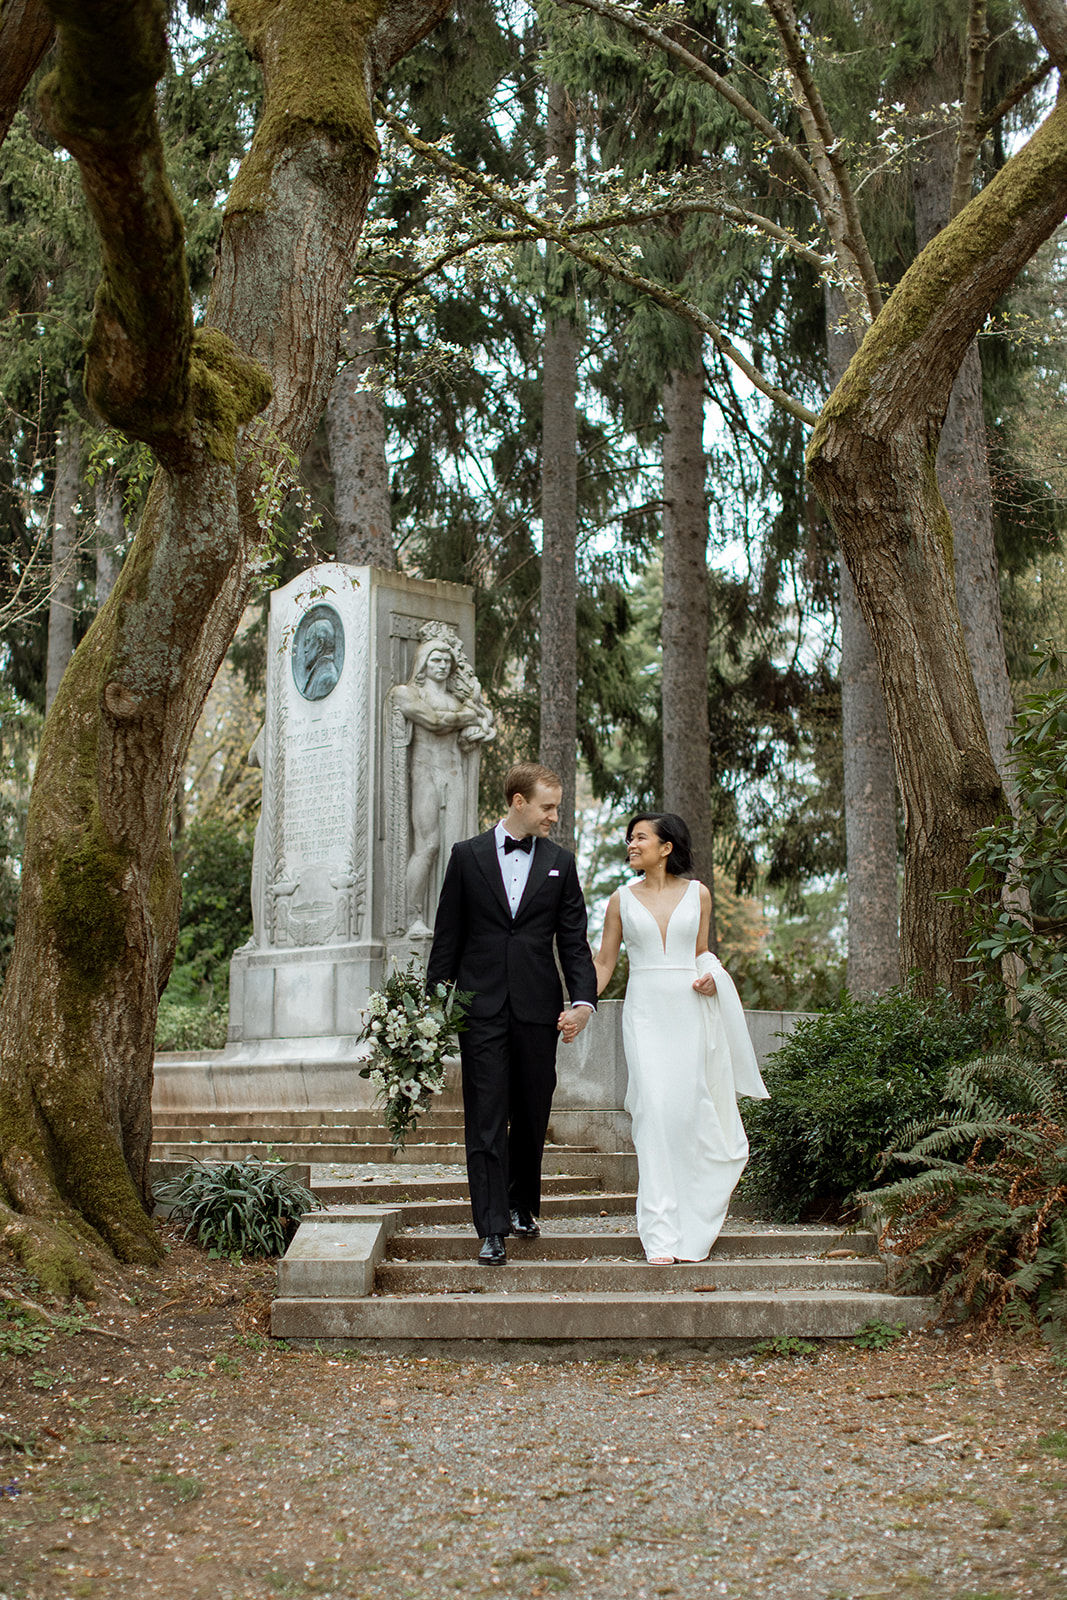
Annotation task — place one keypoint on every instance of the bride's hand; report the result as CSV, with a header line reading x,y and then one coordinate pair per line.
x,y
704,985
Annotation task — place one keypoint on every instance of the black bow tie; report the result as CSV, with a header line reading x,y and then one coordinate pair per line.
x,y
511,844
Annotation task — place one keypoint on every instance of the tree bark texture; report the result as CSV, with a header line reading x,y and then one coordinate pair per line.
x,y
98,913
872,462
559,494
684,631
869,777
26,31
355,429
110,535
63,586
963,455
1048,18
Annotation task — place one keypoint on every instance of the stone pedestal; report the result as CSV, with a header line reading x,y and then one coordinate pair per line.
x,y
341,747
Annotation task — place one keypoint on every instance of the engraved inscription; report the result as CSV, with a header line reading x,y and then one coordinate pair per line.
x,y
317,804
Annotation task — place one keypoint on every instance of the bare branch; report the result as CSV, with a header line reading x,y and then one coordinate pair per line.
x,y
969,140
839,210
1024,87
700,69
26,31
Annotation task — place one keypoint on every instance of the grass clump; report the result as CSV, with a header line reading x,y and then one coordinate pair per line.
x,y
785,1347
878,1335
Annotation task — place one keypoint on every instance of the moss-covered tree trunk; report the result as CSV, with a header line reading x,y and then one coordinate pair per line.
x,y
962,453
26,31
872,459
99,908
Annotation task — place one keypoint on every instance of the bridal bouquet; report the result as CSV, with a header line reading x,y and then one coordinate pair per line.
x,y
411,1030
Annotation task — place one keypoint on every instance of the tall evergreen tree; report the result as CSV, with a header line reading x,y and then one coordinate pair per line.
x,y
559,478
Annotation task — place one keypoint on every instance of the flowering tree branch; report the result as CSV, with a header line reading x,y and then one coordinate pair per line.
x,y
611,266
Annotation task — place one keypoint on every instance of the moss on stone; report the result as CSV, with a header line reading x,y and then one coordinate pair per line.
x,y
228,390
313,53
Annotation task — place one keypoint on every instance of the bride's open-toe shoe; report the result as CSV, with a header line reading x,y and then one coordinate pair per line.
x,y
660,1261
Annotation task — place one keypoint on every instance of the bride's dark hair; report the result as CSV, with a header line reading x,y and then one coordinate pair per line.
x,y
670,829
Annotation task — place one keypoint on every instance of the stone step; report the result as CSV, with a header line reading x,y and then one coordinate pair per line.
x,y
454,1213
409,1190
730,1314
614,1168
738,1239
526,1276
158,1171
305,1117
270,1132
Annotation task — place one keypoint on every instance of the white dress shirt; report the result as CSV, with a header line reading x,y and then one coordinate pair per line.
x,y
514,867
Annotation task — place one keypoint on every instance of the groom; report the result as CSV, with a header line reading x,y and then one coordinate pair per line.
x,y
509,901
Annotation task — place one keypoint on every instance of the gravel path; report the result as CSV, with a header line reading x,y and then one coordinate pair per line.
x,y
180,1453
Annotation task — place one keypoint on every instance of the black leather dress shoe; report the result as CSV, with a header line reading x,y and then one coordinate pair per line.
x,y
524,1226
493,1253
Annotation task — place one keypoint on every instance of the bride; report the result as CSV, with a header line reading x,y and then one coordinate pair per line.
x,y
688,1053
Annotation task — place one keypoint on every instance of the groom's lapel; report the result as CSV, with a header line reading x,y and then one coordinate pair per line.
x,y
545,857
483,848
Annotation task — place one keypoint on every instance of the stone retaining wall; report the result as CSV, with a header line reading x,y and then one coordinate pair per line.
x,y
588,1105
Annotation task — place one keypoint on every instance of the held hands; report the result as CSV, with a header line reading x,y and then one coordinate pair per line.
x,y
704,985
572,1022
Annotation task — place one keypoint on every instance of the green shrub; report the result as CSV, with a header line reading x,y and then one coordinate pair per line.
x,y
985,1220
191,1026
214,860
237,1208
215,863
1016,891
843,1087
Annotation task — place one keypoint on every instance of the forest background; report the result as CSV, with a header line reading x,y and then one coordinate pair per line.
x,y
653,575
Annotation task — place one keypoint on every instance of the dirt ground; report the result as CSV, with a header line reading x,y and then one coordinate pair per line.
x,y
159,1443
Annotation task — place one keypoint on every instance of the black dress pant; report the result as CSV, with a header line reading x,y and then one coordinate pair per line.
x,y
509,1075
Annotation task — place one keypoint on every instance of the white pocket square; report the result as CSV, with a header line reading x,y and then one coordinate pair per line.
x,y
553,872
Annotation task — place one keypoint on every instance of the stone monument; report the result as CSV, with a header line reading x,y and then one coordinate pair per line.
x,y
370,750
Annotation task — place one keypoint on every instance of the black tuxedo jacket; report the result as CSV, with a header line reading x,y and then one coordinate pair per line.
x,y
479,945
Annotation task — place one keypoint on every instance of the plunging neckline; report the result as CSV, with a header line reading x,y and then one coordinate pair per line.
x,y
663,932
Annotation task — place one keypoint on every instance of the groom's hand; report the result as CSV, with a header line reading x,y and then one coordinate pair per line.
x,y
572,1022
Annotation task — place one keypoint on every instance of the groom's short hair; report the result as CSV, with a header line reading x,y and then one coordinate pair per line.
x,y
524,778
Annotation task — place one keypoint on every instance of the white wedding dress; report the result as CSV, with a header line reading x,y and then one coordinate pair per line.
x,y
688,1057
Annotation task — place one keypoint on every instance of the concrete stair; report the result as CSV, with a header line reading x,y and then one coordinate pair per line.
x,y
392,1263
351,1139
392,1260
